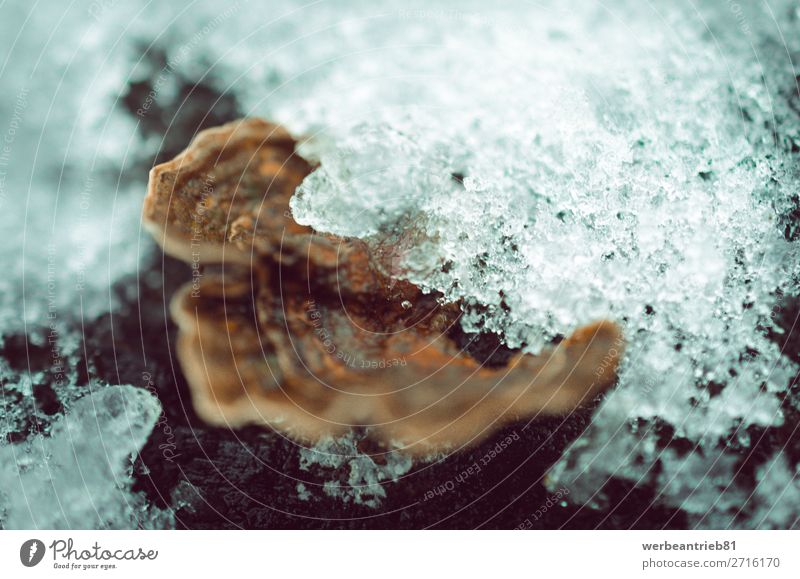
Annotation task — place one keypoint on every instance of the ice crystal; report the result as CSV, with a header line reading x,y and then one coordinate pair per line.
x,y
351,475
79,476
628,171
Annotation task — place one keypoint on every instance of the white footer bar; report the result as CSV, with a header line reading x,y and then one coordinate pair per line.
x,y
389,554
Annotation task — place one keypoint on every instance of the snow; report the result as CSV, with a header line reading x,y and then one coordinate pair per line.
x,y
79,477
350,475
546,163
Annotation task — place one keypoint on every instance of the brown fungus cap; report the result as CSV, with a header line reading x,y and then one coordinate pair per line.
x,y
304,333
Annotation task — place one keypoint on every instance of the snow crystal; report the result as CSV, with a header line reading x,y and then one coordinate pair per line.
x,y
619,170
349,473
80,475
776,496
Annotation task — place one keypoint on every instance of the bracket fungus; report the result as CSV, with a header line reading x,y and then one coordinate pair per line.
x,y
303,332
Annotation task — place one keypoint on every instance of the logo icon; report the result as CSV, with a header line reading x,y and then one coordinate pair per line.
x,y
31,553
